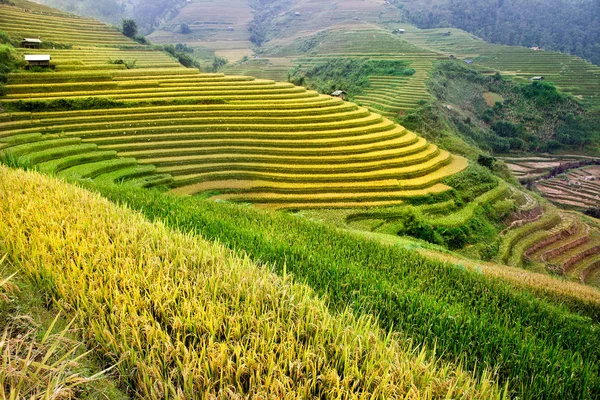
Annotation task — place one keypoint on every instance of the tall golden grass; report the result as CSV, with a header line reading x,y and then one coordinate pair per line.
x,y
184,318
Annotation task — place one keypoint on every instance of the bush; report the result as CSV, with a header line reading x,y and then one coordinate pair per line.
x,y
218,63
129,28
349,74
593,212
544,93
486,161
184,48
183,58
185,29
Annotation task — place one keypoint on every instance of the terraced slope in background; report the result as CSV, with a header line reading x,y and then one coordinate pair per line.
x,y
579,188
389,96
27,19
221,26
559,242
249,139
571,74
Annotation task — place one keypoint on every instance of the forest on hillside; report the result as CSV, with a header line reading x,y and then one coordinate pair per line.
x,y
570,26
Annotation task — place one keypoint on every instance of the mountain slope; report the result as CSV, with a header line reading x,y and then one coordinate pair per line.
x,y
569,26
246,139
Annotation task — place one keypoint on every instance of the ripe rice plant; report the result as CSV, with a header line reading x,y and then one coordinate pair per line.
x,y
183,318
538,347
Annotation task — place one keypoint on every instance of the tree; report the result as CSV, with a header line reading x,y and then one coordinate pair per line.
x,y
129,28
185,29
218,63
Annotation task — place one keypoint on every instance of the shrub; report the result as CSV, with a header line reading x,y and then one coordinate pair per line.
x,y
185,29
129,28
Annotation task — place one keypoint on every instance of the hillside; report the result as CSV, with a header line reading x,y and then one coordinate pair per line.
x,y
250,328
386,235
134,115
250,139
568,26
213,30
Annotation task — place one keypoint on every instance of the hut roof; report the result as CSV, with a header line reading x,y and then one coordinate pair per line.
x,y
37,57
31,40
338,92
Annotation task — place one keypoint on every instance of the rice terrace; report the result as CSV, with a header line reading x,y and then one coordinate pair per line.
x,y
290,199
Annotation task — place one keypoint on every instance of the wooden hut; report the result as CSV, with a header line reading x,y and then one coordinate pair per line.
x,y
30,43
38,60
339,93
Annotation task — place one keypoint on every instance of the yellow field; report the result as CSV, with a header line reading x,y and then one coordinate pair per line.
x,y
180,316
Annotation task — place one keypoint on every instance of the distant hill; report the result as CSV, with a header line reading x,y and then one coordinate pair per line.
x,y
147,13
570,26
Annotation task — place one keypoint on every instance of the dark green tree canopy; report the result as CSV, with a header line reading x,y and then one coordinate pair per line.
x,y
129,27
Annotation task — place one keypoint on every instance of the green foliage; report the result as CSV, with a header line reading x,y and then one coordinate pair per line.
x,y
472,224
184,59
533,117
218,63
10,60
486,161
14,161
129,28
307,45
348,74
543,93
540,349
4,38
127,64
564,25
91,103
141,39
472,182
185,29
184,48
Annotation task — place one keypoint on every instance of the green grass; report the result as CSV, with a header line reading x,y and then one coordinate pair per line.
x,y
539,348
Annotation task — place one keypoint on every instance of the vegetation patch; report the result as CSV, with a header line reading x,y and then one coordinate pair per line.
x,y
348,74
428,301
492,98
187,316
532,117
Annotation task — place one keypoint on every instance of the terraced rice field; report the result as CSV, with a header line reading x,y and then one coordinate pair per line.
x,y
389,96
571,74
265,142
93,58
394,96
26,19
578,188
241,138
529,168
223,29
267,68
571,247
555,241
